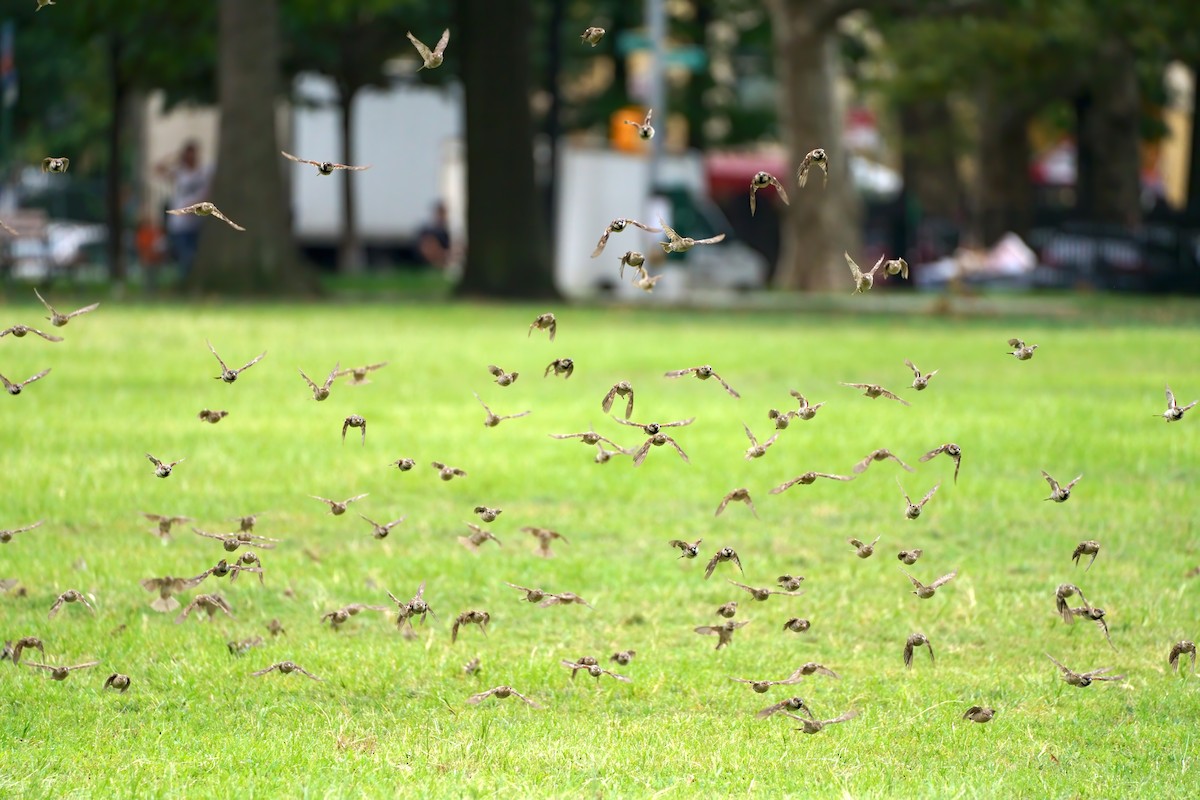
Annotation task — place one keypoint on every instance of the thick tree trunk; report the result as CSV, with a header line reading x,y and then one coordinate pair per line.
x,y
248,183
114,222
1005,193
351,259
506,253
822,222
1108,183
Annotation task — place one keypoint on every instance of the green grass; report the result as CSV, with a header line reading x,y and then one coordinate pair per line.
x,y
390,717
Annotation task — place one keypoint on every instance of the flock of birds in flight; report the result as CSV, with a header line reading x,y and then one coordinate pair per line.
x,y
165,588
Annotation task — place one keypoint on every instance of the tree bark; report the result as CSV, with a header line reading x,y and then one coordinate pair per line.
x,y
351,259
507,255
822,222
119,88
1005,192
1108,181
248,183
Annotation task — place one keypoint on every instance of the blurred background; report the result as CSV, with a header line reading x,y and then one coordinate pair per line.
x,y
992,143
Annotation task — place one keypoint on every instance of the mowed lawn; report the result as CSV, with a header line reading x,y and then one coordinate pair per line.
x,y
390,717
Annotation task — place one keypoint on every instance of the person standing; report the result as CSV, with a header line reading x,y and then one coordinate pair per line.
x,y
190,181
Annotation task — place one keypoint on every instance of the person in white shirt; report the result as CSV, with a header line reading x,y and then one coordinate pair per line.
x,y
191,181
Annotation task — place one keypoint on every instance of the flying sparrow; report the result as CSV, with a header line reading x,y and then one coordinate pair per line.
x,y
1061,594
230,375
285,668
790,583
875,391
723,632
15,388
909,557
920,381
6,536
34,643
595,670
762,180
681,244
320,392
756,450
1059,494
807,479
724,554
544,536
480,618
448,473
703,372
813,668
168,586
588,437
805,411
1096,615
1183,647
645,129
232,541
117,682
544,322
863,550
580,663
162,469
57,319
592,35
354,421
616,226
323,167
687,549
1088,548
623,657
1174,411
914,509
206,209
634,260
882,454
211,603
863,281
561,366
797,624
471,667
762,594
925,592
382,530
651,428
916,640
52,164
492,419
619,389
358,375
950,449
240,648
761,687
60,673
500,692
658,440
791,704
208,415
246,521
1082,679
563,599
69,596
404,464
432,60
503,378
338,508
896,266
979,714
728,610
531,595
740,495
275,627
417,606
338,617
43,3
19,332
811,726
478,536
488,514
1022,351
815,158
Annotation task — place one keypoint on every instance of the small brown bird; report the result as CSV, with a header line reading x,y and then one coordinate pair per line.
x,y
595,670
43,3
815,158
874,391
1184,647
320,391
807,479
681,244
544,536
381,530
790,583
232,541
616,226
797,624
979,714
863,281
6,536
472,617
658,440
285,668
1061,594
354,421
208,415
950,449
248,562
478,537
1060,494
488,514
863,550
19,331
561,366
563,599
1174,411
761,687
896,266
358,375
1089,548
805,411
404,464
28,643
246,522
623,657
243,646
168,586
762,180
882,454
592,35
531,595
651,428
501,692
323,167
687,549
1096,615
52,164
162,469
920,381
925,592
211,603
762,594
724,554
503,378
118,682
619,389
791,704
60,673
1022,351
740,495
206,209
339,616
646,282
544,322
723,632
69,596
813,668
588,437
811,726
58,320
634,260
910,557
916,640
471,667
416,607
275,627
645,129
432,59
230,375
914,509
15,388
756,450
336,507
703,372
728,610
580,663
1082,679
493,419
448,473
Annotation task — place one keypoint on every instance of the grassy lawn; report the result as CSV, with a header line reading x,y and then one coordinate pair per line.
x,y
390,717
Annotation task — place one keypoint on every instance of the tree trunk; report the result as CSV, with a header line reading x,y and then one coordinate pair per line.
x,y
115,244
506,253
927,157
822,222
1108,182
351,260
1005,193
248,183
1193,184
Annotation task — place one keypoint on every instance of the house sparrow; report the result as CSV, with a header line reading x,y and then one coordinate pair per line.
x,y
728,610
979,714
811,726
117,682
240,648
471,667
807,479
914,509
275,627
791,704
1088,548
448,473
501,692
51,164
910,557
762,594
493,419
813,668
354,421
592,35
805,411
230,375
645,129
404,464
920,381
634,260
544,537
337,508
1174,411
875,391
32,643
723,632
208,415
623,657
1183,647
863,550
488,514
896,266
756,450
790,583
19,332
544,322
619,389
163,469
531,595
657,440
616,226
950,449
703,372
480,618
15,388
232,541
285,668
323,167
651,428
338,617
358,375
60,673
432,60
815,158
561,366
580,663
604,456
246,522
797,624
1061,594
740,495
503,378
1082,679
863,281
916,640
168,586
724,554
595,670
681,244
1022,351
58,320
882,454
925,592
417,606
761,687
206,209
245,563
478,536
43,3
382,530
563,599
687,549
1060,494
211,603
320,392
1096,615
6,536
588,437
762,180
